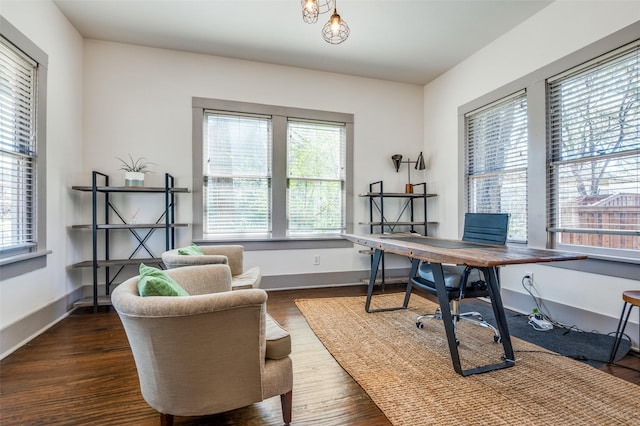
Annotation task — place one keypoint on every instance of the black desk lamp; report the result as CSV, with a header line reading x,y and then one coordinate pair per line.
x,y
419,165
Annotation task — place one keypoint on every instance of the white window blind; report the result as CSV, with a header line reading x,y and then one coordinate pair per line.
x,y
17,149
496,161
316,156
237,174
594,155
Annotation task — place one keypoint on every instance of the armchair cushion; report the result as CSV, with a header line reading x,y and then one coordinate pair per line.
x,y
232,255
191,250
248,279
154,282
278,339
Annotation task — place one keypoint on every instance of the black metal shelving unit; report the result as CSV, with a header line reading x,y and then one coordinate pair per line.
x,y
379,223
110,219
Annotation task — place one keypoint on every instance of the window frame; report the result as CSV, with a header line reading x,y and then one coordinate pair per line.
x,y
21,262
336,178
535,85
554,163
510,168
279,115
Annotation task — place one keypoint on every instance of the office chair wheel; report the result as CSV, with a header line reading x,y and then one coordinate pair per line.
x,y
497,339
419,325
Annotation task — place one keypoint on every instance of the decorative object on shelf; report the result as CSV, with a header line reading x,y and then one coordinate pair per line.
x,y
134,217
419,165
336,30
312,8
134,170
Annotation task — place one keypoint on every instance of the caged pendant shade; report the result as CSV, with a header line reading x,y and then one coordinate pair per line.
x,y
312,8
336,30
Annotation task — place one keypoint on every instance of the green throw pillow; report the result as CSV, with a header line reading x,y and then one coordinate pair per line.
x,y
154,282
191,250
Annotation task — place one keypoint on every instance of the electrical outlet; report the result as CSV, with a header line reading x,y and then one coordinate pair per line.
x,y
316,259
527,279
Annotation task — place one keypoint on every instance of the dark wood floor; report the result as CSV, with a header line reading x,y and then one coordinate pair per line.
x,y
81,372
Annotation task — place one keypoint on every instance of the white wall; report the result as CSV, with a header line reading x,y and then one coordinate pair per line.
x,y
556,31
108,99
44,25
138,100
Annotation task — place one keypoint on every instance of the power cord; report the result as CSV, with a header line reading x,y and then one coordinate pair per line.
x,y
538,314
539,319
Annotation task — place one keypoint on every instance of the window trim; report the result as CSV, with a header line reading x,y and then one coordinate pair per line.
x,y
556,224
535,85
15,265
199,105
509,168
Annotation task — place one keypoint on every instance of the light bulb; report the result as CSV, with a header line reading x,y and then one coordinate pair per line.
x,y
311,5
335,24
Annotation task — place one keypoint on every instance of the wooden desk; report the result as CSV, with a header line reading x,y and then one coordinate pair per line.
x,y
487,258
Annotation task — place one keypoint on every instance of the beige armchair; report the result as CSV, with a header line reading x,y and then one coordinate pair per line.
x,y
212,351
233,255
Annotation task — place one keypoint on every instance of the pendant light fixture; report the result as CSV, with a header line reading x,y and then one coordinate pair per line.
x,y
336,30
312,8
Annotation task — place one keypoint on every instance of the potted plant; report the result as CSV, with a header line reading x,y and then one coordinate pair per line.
x,y
134,170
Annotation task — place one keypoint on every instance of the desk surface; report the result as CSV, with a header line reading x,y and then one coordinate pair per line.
x,y
438,250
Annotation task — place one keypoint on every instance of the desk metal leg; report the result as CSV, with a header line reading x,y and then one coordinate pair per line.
x,y
375,262
414,269
491,276
447,318
496,302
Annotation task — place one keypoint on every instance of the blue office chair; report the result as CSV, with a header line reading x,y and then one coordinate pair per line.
x,y
466,281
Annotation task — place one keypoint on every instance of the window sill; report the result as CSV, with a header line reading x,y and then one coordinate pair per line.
x,y
13,266
284,244
609,267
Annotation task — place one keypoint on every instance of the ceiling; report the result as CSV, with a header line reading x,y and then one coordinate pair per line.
x,y
412,41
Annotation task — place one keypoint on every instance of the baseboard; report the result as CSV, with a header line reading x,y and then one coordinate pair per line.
x,y
323,279
20,332
570,315
301,281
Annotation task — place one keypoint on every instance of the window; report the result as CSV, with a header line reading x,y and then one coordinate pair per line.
x,y
17,149
22,147
594,155
237,183
274,176
316,178
496,161
582,163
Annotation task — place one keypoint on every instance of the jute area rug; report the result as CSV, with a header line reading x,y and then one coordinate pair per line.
x,y
408,372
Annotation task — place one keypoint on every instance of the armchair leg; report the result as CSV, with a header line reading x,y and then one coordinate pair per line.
x,y
286,399
166,419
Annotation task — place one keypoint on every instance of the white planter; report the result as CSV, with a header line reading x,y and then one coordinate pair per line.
x,y
133,179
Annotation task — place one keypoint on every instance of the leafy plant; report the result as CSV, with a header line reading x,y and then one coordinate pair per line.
x,y
139,165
